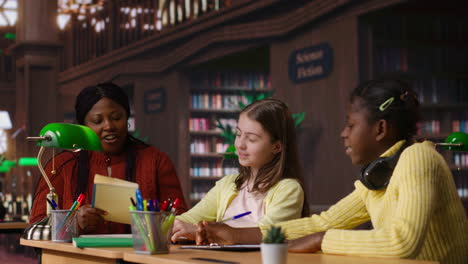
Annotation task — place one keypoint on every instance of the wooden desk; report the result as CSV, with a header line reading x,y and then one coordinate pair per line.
x,y
66,253
13,225
180,256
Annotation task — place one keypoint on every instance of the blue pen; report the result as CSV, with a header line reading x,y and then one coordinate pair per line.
x,y
150,205
139,200
235,217
156,205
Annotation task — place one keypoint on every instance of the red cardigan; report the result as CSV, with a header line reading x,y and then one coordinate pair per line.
x,y
155,175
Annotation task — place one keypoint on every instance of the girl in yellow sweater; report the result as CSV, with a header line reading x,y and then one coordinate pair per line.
x,y
269,180
406,189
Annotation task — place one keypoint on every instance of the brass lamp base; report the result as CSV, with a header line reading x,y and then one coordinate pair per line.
x,y
40,230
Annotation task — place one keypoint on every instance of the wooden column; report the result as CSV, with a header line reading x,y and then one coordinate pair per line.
x,y
37,65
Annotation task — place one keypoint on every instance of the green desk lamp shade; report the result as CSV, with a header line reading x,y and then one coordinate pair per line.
x,y
8,163
69,136
27,161
457,141
4,168
58,135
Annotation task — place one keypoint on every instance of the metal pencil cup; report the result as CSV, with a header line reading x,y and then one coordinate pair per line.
x,y
64,225
151,231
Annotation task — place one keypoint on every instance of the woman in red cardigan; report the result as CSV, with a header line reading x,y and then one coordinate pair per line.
x,y
105,109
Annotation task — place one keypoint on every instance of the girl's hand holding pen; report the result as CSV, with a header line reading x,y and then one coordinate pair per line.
x,y
182,229
215,232
89,218
218,232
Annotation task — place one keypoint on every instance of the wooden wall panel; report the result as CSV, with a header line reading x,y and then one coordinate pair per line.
x,y
328,172
162,128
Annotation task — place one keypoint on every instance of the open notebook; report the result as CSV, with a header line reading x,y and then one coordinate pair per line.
x,y
113,195
225,247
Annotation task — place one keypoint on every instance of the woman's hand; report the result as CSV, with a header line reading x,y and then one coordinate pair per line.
x,y
182,229
213,232
89,218
307,244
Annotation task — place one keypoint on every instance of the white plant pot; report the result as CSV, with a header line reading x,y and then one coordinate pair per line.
x,y
274,253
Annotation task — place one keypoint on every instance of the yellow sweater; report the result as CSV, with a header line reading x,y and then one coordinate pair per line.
x,y
283,202
419,215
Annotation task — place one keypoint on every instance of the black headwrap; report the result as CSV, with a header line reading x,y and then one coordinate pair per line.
x,y
89,96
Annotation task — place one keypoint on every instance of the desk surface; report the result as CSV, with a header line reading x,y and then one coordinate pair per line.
x,y
180,256
111,253
13,225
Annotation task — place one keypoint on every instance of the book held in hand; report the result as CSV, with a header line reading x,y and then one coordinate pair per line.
x,y
113,195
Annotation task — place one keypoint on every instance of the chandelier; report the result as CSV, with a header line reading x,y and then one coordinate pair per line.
x,y
8,14
79,6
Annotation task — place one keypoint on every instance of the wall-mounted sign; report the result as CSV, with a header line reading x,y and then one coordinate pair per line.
x,y
311,63
155,101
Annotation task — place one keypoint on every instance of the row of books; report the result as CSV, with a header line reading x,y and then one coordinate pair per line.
x,y
460,125
454,91
432,28
16,207
461,181
200,190
433,126
231,80
420,59
205,124
460,159
211,169
463,192
428,127
204,145
216,101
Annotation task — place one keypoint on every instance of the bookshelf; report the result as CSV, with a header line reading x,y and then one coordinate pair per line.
x,y
215,96
427,47
215,90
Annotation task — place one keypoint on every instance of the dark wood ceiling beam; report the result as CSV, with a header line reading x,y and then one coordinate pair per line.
x,y
257,31
238,9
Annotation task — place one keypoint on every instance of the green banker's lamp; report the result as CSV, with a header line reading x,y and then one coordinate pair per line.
x,y
457,141
58,135
6,165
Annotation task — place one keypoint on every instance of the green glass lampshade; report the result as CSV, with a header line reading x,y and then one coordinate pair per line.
x,y
27,161
8,163
69,136
457,141
4,168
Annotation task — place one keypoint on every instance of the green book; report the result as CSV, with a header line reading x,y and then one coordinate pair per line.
x,y
82,242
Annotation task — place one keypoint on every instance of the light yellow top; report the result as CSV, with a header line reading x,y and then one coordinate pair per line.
x,y
282,202
419,215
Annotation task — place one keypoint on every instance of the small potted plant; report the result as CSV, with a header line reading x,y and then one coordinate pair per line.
x,y
274,247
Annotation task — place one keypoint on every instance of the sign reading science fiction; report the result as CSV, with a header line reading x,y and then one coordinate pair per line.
x,y
311,63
